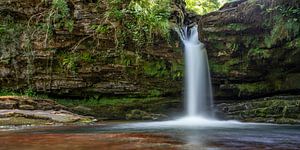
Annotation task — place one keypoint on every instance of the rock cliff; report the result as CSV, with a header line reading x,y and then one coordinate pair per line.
x,y
72,60
253,48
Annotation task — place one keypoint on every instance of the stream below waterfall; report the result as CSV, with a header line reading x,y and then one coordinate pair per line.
x,y
154,135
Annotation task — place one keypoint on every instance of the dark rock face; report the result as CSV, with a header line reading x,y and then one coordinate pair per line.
x,y
54,67
279,109
249,55
26,103
244,64
16,110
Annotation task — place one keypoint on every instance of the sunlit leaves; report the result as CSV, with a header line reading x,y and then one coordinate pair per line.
x,y
204,6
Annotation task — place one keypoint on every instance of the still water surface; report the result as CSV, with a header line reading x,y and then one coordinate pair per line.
x,y
153,135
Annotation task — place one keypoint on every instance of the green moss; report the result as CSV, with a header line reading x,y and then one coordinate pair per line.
x,y
253,87
226,67
23,121
128,58
87,57
156,69
272,110
117,108
177,70
140,22
237,26
70,61
218,68
154,93
258,53
10,32
285,25
293,44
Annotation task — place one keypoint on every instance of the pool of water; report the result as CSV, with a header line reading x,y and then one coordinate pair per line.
x,y
180,134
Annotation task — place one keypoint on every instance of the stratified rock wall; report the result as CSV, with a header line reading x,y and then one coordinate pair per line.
x,y
74,64
243,61
253,48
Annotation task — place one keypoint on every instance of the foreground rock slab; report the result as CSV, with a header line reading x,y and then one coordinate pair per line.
x,y
15,110
277,109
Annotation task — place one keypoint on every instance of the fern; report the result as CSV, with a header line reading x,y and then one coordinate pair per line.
x,y
286,26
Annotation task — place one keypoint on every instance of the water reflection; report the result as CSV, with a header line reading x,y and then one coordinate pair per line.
x,y
159,135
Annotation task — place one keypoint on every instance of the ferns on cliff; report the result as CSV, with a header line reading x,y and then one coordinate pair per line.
x,y
10,32
286,25
135,22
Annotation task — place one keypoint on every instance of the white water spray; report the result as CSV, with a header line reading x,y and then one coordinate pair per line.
x,y
198,91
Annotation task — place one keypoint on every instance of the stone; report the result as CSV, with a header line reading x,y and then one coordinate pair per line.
x,y
278,109
44,111
8,104
26,107
142,115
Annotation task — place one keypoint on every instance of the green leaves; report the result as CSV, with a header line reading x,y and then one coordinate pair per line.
x,y
286,25
2,29
139,21
61,7
155,69
101,29
203,6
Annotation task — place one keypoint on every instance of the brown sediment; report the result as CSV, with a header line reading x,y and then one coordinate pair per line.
x,y
88,141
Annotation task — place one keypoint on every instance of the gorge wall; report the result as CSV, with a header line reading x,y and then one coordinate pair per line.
x,y
253,48
81,62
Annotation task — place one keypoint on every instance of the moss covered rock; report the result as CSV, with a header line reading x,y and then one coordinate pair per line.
x,y
253,48
280,109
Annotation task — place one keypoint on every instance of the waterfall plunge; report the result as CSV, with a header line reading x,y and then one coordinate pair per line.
x,y
198,91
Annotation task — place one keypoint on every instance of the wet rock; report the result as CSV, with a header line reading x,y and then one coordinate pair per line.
x,y
278,109
232,33
28,103
102,74
8,104
36,111
26,107
142,115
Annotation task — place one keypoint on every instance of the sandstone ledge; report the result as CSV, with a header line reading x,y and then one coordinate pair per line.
x,y
18,110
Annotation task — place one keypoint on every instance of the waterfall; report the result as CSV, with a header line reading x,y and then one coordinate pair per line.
x,y
198,90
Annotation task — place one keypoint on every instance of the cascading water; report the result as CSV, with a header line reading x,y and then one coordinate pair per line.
x,y
198,91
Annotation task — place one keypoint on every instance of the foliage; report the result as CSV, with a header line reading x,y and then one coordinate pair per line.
x,y
87,57
25,92
69,61
102,101
253,87
258,53
155,69
136,22
237,26
30,92
204,6
10,32
286,25
129,58
226,67
177,70
117,108
56,17
154,93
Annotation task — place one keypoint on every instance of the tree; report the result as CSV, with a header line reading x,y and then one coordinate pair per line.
x,y
204,6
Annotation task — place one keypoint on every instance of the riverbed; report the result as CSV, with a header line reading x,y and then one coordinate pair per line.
x,y
153,135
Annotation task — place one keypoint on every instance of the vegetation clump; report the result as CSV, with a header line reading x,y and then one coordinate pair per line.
x,y
204,6
286,24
